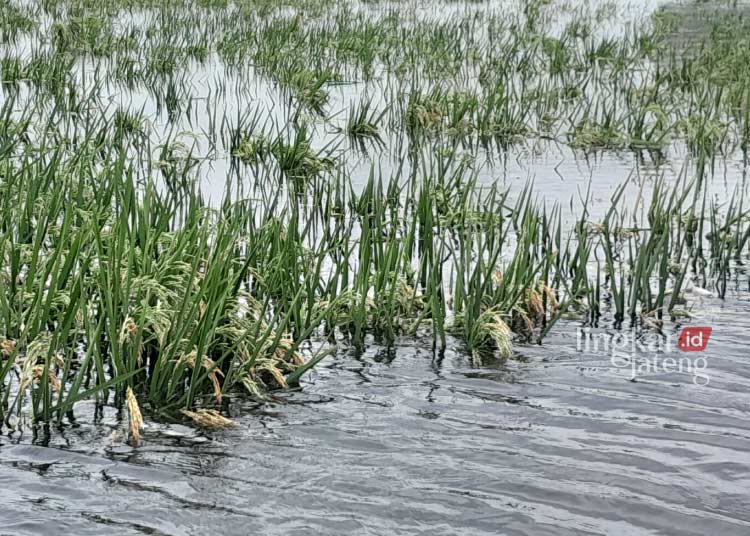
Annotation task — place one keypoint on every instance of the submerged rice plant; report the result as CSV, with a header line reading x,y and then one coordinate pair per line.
x,y
364,121
129,275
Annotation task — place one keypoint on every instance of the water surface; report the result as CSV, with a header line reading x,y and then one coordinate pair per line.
x,y
402,441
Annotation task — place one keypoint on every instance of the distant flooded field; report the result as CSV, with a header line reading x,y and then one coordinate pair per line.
x,y
376,267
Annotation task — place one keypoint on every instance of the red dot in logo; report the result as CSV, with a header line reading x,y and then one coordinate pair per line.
x,y
694,339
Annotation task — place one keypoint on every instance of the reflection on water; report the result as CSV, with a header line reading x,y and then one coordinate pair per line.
x,y
404,442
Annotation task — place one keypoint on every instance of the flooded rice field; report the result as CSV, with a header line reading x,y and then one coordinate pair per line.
x,y
379,267
401,442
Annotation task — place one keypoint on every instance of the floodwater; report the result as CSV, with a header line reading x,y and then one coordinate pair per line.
x,y
561,440
558,442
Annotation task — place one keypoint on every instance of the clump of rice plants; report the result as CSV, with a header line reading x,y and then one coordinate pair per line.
x,y
589,135
135,300
296,158
128,123
364,120
15,20
307,86
252,149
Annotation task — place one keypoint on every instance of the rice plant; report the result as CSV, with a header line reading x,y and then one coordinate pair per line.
x,y
126,277
364,121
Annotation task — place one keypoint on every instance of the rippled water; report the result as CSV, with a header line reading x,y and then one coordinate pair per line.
x,y
402,441
405,442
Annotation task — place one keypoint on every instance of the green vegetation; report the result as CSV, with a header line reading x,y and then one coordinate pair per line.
x,y
121,277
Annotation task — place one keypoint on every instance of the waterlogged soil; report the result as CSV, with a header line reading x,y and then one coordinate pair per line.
x,y
401,441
